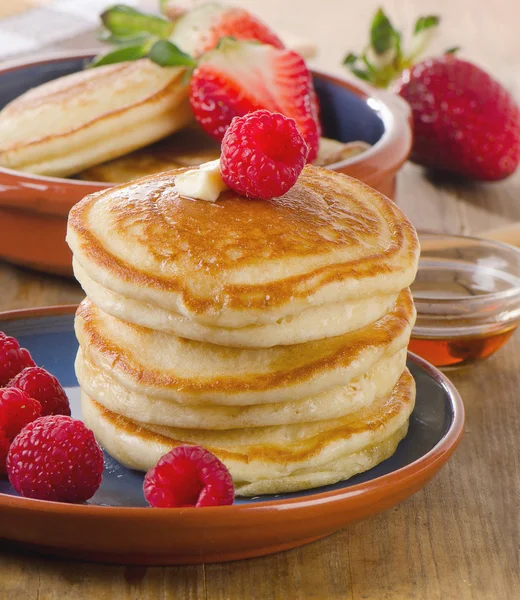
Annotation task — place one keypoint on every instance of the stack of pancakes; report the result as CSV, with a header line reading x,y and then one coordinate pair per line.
x,y
273,333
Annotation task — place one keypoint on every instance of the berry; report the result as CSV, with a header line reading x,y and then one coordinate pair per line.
x,y
12,358
200,29
4,449
44,387
464,121
55,458
263,154
188,476
16,410
240,77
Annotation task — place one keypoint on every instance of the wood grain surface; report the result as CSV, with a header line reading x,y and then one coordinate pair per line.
x,y
459,538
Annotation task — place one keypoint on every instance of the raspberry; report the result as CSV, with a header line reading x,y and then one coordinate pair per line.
x,y
188,476
263,154
16,410
4,449
55,458
12,358
44,387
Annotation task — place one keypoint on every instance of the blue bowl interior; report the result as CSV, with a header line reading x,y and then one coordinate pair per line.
x,y
345,116
53,345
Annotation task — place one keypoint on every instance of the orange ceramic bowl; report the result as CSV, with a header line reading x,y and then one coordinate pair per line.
x,y
34,209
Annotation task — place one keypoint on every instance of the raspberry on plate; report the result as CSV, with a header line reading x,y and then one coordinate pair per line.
x,y
44,387
4,449
12,358
55,458
188,476
16,410
263,154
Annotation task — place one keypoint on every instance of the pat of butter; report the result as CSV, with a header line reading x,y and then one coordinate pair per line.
x,y
204,183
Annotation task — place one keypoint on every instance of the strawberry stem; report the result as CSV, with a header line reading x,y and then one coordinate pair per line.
x,y
383,59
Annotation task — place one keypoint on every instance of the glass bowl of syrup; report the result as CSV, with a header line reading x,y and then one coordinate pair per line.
x,y
467,295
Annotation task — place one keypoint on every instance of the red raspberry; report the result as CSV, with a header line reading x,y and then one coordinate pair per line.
x,y
16,410
44,387
188,476
12,358
263,154
4,449
55,458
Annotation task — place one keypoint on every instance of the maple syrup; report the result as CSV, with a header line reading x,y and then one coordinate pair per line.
x,y
467,295
462,350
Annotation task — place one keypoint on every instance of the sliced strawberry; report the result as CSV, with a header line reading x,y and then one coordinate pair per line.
x,y
200,29
240,77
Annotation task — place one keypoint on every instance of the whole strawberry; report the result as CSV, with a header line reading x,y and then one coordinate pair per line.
x,y
464,121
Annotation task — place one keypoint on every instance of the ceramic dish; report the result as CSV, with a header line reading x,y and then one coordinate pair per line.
x,y
115,526
467,295
33,209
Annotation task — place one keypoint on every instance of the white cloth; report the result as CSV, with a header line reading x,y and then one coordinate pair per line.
x,y
49,22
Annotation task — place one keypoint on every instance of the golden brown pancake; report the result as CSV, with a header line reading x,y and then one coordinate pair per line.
x,y
74,122
155,363
187,148
101,385
240,262
273,459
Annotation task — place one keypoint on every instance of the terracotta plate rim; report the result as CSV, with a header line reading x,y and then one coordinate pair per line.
x,y
404,477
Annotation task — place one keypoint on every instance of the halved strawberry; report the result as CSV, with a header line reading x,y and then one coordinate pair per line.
x,y
239,77
201,28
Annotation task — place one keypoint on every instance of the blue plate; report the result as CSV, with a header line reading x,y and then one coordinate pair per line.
x,y
435,425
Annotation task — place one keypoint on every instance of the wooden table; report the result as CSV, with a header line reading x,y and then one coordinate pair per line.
x,y
458,538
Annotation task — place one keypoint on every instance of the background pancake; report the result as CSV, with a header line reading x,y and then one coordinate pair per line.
x,y
239,262
191,147
314,454
151,362
106,390
76,121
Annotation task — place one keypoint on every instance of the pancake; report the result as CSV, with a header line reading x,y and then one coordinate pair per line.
x,y
106,390
315,323
239,262
82,119
156,363
275,460
191,147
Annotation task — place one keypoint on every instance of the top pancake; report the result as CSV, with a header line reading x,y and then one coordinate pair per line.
x,y
239,262
79,120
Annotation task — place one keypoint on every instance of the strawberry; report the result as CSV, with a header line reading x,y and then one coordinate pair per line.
x,y
200,29
176,42
465,122
240,77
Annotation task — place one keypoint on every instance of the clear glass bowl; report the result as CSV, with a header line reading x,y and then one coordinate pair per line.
x,y
467,295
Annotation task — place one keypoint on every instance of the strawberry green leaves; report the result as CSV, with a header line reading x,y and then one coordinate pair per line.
x,y
383,59
122,54
123,23
424,23
166,54
138,35
383,36
161,52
